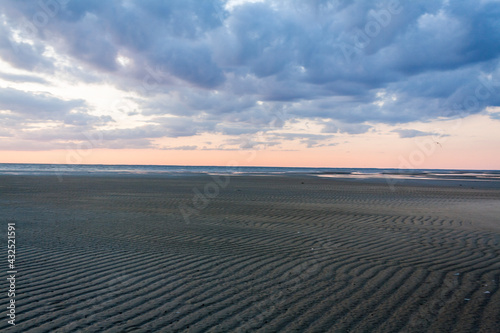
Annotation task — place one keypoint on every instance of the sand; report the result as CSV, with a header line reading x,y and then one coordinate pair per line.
x,y
266,254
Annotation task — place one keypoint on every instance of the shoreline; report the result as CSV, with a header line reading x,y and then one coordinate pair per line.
x,y
390,180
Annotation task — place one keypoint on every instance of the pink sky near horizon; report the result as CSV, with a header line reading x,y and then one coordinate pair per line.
x,y
472,143
263,158
412,158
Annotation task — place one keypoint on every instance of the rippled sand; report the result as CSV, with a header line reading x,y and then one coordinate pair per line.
x,y
290,254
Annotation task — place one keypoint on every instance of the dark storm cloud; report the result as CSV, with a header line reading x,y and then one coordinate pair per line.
x,y
342,63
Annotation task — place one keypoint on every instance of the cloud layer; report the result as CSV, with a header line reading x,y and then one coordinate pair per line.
x,y
241,68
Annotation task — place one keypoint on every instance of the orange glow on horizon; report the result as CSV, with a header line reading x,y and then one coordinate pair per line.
x,y
472,143
307,158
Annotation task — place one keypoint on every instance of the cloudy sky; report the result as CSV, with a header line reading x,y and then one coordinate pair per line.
x,y
335,83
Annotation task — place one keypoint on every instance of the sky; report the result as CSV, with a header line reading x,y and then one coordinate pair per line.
x,y
316,83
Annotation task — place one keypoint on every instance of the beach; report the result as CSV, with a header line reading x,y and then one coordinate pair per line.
x,y
219,253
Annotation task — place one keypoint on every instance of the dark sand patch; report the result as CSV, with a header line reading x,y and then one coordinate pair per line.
x,y
267,254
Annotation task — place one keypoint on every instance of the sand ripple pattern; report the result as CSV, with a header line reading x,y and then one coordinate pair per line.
x,y
268,254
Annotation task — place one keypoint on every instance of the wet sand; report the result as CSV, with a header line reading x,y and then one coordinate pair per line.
x,y
245,254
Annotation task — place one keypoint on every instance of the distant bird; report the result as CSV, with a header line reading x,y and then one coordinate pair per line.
x,y
438,144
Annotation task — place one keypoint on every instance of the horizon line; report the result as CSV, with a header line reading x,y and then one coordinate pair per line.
x,y
245,166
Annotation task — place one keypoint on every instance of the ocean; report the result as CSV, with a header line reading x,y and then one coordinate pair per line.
x,y
60,170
